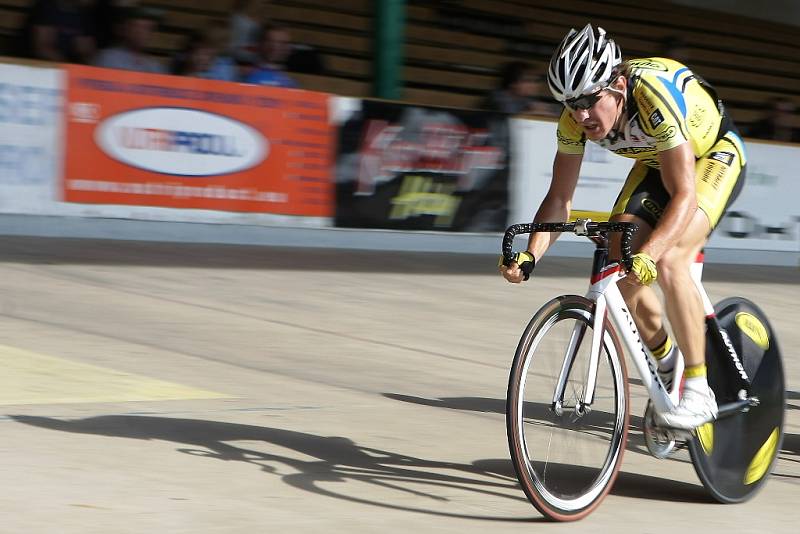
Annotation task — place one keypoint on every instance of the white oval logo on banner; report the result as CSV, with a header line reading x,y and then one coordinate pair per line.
x,y
181,141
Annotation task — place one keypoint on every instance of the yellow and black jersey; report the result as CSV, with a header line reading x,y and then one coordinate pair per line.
x,y
667,105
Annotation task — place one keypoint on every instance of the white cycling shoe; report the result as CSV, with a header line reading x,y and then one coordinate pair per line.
x,y
694,409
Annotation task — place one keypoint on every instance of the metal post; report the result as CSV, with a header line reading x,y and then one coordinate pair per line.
x,y
388,43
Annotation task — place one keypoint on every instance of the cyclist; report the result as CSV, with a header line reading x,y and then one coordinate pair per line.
x,y
689,166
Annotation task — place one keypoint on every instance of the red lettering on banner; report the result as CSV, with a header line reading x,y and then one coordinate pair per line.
x,y
438,148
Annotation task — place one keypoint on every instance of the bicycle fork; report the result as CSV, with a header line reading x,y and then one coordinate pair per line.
x,y
600,270
584,404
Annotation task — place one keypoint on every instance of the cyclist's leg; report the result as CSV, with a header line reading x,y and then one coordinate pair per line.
x,y
642,200
683,303
718,178
636,203
642,301
720,175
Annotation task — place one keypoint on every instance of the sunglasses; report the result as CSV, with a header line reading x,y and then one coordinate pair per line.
x,y
583,102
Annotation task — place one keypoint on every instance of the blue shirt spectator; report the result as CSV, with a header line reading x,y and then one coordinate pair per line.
x,y
266,75
136,32
124,59
201,58
245,25
222,68
273,47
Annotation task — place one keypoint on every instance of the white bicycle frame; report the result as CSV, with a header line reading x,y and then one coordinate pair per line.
x,y
610,303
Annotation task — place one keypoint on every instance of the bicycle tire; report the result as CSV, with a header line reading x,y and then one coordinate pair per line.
x,y
733,456
569,504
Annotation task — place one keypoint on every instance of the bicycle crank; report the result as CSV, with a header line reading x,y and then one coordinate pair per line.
x,y
660,441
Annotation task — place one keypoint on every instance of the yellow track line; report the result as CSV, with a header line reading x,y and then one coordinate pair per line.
x,y
31,378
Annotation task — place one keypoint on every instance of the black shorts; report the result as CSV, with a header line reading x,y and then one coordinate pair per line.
x,y
719,175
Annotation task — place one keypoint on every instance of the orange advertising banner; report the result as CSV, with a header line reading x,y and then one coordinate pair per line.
x,y
156,140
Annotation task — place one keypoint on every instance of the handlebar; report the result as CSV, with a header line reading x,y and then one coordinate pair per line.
x,y
583,227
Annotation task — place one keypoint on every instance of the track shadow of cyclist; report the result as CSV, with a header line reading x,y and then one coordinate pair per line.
x,y
790,450
628,484
535,410
335,459
792,395
790,454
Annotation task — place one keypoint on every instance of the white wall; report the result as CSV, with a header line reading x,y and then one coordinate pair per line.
x,y
765,217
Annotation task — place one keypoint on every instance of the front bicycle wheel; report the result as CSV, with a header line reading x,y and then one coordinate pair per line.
x,y
566,456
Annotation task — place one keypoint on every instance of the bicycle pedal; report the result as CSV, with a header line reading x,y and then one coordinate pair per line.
x,y
660,443
681,433
677,433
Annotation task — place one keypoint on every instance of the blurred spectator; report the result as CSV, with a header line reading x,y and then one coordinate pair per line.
x,y
136,30
58,30
245,22
674,47
777,125
196,57
225,66
274,47
106,16
518,93
201,57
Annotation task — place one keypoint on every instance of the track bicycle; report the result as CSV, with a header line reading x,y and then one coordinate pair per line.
x,y
567,410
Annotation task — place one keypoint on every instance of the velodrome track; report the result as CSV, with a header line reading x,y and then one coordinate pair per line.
x,y
228,389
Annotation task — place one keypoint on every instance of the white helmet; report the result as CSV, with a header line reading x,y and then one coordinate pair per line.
x,y
584,63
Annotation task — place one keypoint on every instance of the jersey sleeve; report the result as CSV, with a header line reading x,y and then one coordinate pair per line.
x,y
571,139
662,112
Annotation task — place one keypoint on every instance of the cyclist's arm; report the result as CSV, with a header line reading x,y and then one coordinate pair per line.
x,y
557,203
678,175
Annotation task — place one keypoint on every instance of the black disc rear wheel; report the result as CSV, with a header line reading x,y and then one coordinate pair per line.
x,y
734,455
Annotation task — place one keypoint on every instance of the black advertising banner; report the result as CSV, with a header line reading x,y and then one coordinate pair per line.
x,y
415,168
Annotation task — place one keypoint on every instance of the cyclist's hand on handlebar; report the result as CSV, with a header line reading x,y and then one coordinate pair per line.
x,y
519,269
643,270
512,273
